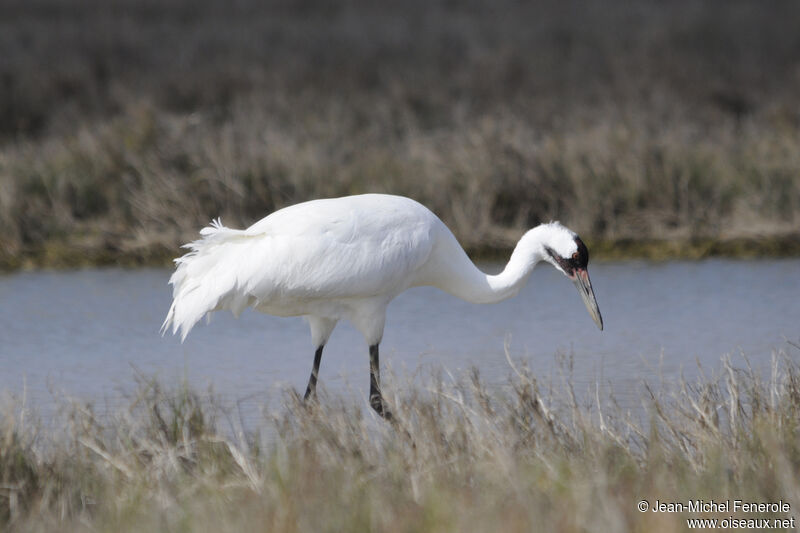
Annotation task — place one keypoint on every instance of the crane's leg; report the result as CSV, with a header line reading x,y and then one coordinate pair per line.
x,y
321,329
375,397
369,320
311,389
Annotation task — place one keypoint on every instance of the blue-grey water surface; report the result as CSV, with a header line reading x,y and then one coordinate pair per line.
x,y
86,333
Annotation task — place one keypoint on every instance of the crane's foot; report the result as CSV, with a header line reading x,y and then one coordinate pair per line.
x,y
377,403
310,395
310,400
301,403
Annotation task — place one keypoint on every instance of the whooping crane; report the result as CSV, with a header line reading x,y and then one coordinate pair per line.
x,y
347,258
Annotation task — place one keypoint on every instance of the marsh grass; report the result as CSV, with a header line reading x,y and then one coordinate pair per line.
x,y
461,456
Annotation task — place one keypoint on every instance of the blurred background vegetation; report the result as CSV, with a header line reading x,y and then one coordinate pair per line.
x,y
126,125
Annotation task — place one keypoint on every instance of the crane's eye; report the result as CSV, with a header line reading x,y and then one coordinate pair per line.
x,y
575,256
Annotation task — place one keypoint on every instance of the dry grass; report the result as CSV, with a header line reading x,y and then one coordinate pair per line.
x,y
127,125
460,457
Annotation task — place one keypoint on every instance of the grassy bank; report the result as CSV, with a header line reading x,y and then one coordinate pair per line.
x,y
460,457
58,254
126,125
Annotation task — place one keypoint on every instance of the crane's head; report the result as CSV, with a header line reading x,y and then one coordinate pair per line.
x,y
565,250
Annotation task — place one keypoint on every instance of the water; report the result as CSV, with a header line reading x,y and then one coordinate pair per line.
x,y
85,334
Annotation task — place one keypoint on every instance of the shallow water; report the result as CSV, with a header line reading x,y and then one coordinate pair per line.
x,y
86,333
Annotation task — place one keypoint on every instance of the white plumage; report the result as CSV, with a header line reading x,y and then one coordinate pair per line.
x,y
347,258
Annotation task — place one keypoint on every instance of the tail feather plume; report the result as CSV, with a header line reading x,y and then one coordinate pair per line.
x,y
209,277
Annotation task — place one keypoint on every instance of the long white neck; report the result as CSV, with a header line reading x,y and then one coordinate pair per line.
x,y
463,279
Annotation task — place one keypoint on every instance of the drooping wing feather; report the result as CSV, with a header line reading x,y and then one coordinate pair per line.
x,y
324,250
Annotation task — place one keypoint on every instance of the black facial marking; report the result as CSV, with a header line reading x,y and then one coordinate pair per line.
x,y
581,257
578,261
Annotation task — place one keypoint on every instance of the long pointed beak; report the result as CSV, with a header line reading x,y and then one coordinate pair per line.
x,y
584,286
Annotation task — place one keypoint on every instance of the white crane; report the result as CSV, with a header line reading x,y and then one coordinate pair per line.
x,y
347,258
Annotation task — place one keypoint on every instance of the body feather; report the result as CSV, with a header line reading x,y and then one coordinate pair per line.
x,y
298,259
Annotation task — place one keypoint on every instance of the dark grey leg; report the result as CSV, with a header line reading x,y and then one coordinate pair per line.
x,y
375,398
311,390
